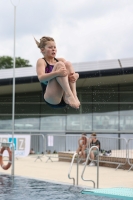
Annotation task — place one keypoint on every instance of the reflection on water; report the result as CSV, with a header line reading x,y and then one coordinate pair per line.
x,y
17,188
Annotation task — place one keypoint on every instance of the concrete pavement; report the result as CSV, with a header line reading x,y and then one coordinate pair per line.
x,y
58,172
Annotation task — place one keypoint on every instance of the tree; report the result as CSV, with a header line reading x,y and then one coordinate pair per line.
x,y
6,62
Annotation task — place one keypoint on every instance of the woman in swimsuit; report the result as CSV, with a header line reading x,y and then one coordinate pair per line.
x,y
57,76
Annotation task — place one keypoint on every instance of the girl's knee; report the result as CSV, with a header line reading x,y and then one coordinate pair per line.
x,y
69,66
67,63
60,64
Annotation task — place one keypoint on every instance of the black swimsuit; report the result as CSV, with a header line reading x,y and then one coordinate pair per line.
x,y
48,69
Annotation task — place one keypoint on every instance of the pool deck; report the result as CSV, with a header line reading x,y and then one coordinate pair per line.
x,y
57,171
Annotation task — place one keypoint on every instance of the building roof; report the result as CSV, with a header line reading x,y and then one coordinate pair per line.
x,y
79,67
91,73
103,65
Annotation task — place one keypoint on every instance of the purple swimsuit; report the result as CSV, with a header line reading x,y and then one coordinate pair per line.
x,y
49,69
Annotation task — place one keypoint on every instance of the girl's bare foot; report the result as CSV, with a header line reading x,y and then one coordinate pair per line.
x,y
77,100
69,99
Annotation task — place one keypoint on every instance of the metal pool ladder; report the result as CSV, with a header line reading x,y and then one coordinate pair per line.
x,y
75,154
88,157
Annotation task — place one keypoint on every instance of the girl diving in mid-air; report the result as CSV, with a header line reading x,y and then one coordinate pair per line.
x,y
57,76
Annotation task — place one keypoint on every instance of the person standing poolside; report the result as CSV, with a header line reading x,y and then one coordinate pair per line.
x,y
94,152
57,76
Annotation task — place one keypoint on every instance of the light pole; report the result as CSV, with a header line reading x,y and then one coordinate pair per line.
x,y
13,88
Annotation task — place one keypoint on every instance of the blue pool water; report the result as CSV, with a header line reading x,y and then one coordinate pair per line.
x,y
18,188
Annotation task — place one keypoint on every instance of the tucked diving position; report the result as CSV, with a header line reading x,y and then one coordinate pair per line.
x,y
57,76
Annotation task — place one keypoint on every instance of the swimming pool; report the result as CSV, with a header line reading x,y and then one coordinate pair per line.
x,y
18,188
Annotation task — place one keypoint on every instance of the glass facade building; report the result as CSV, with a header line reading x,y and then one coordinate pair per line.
x,y
104,109
105,90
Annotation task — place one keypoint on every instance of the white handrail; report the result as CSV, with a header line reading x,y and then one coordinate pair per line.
x,y
88,158
71,169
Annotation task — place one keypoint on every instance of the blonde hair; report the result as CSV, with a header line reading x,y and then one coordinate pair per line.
x,y
43,41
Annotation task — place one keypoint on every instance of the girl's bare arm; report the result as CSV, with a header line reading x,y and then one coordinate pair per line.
x,y
40,69
42,76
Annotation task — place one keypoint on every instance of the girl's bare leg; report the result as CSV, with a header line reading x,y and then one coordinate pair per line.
x,y
70,70
83,152
54,92
64,83
78,150
57,86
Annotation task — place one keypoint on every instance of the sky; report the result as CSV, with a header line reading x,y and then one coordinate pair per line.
x,y
84,30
